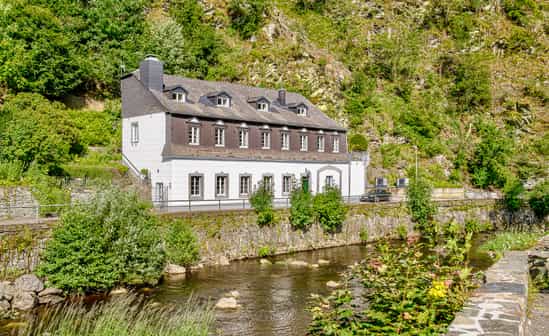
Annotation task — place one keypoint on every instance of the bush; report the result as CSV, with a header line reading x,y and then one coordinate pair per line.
x,y
363,235
421,207
10,172
539,199
329,209
512,195
265,251
301,209
517,10
246,16
510,241
111,240
358,143
181,244
471,89
261,201
521,40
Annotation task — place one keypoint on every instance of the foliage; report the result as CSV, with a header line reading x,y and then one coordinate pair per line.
x,y
512,195
123,316
301,209
20,244
406,293
390,154
265,251
37,131
421,207
111,240
47,190
181,243
517,10
363,234
261,200
473,226
315,5
246,16
358,143
402,232
539,199
510,241
357,98
329,209
10,172
490,156
471,87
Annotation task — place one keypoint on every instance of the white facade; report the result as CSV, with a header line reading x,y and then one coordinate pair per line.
x,y
171,177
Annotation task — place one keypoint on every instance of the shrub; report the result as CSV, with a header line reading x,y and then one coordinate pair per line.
x,y
421,207
512,195
329,209
358,143
262,202
471,89
539,199
181,244
390,154
521,40
402,232
246,16
111,240
301,209
265,251
363,235
10,172
510,241
517,10
123,316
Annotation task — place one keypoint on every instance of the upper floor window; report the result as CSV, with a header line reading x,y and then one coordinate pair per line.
x,y
134,133
194,135
335,144
219,137
223,101
263,106
243,138
179,97
285,140
265,139
304,142
302,110
320,143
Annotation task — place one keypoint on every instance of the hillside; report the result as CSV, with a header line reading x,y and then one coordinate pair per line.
x,y
464,81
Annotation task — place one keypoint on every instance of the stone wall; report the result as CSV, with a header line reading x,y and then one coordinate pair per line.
x,y
17,202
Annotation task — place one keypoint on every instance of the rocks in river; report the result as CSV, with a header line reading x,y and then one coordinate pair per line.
x,y
29,283
4,306
24,301
223,261
50,296
50,291
333,284
119,291
227,303
264,261
173,269
235,294
298,263
323,262
315,265
197,267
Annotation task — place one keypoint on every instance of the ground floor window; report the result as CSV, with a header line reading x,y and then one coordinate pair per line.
x,y
286,184
245,183
329,181
159,192
221,185
195,186
268,182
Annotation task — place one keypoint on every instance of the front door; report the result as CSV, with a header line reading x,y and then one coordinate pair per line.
x,y
305,183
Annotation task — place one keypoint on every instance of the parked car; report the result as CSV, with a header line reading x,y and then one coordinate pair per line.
x,y
376,195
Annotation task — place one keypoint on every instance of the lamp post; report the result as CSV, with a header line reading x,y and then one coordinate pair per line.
x,y
417,167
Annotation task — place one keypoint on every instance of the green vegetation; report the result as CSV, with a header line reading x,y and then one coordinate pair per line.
x,y
301,209
266,251
181,243
539,199
358,143
421,207
247,16
329,209
111,240
364,236
261,201
123,316
510,241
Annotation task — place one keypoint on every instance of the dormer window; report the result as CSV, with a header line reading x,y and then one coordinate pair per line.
x,y
179,97
302,110
223,101
263,106
176,93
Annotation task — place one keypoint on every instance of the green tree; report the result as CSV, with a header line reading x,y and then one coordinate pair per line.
x,y
421,207
512,194
329,209
181,244
471,87
261,201
539,199
358,143
301,209
111,240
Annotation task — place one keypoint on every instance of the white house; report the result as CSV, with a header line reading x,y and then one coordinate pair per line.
x,y
201,140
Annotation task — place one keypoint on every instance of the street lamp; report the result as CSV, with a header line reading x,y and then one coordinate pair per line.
x,y
417,170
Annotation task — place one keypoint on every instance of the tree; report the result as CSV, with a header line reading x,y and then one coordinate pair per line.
x,y
421,207
329,209
262,202
246,16
181,244
301,209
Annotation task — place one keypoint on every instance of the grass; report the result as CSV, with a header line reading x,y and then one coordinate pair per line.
x,y
510,241
123,316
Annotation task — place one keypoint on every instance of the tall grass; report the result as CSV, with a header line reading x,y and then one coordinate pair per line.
x,y
123,316
509,241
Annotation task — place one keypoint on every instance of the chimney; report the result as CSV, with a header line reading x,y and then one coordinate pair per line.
x,y
151,71
282,97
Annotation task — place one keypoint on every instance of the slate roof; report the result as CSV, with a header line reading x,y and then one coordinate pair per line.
x,y
199,105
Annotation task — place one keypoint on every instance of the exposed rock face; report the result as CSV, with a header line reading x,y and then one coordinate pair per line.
x,y
172,269
24,301
29,283
227,303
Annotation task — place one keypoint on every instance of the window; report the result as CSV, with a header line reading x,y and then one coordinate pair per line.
x,y
134,136
285,140
263,106
286,184
219,137
268,182
329,181
302,110
245,184
223,101
320,143
304,141
221,185
159,192
194,135
335,144
265,140
243,138
179,97
195,186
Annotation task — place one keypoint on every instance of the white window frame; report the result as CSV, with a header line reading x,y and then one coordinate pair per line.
x,y
194,135
248,185
268,186
329,181
320,143
219,135
199,180
335,144
179,97
302,110
303,142
285,140
265,139
287,184
221,182
134,133
223,101
243,137
263,106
